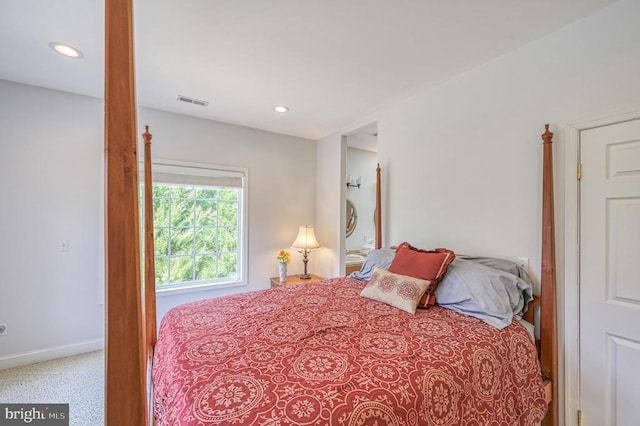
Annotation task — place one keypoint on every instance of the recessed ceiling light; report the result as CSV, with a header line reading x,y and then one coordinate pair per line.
x,y
280,108
66,50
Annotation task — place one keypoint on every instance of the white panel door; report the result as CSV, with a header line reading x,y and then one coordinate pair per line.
x,y
610,275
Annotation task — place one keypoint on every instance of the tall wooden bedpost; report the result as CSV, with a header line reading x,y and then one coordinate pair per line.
x,y
378,213
149,253
125,390
548,333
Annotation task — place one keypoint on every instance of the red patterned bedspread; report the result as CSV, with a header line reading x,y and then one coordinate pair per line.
x,y
320,354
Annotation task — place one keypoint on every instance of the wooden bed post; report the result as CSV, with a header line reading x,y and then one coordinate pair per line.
x,y
125,390
548,334
149,253
378,215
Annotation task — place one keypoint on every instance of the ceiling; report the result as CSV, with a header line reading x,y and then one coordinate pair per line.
x,y
331,62
365,138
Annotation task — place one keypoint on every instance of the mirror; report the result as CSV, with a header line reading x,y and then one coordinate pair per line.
x,y
352,217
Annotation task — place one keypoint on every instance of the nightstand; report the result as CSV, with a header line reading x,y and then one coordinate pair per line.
x,y
294,280
352,267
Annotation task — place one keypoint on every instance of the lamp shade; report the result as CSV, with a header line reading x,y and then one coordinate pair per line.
x,y
306,239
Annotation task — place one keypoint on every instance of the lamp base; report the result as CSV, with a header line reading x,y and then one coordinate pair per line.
x,y
305,260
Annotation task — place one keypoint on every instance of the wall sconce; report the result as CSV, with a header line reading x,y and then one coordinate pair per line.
x,y
354,181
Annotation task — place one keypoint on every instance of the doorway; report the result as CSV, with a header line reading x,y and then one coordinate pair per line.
x,y
609,273
360,172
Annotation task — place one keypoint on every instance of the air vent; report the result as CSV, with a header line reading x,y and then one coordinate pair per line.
x,y
192,101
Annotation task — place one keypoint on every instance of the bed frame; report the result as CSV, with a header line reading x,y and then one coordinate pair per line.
x,y
130,308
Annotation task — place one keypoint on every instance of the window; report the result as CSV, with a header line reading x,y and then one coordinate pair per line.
x,y
199,225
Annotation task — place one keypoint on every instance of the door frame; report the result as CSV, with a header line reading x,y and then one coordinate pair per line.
x,y
572,254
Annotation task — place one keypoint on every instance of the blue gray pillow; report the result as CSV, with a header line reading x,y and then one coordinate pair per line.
x,y
379,258
501,264
489,294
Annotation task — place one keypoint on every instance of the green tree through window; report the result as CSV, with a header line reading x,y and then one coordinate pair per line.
x,y
196,233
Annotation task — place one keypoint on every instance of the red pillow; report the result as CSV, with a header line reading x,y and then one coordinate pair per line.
x,y
423,264
427,299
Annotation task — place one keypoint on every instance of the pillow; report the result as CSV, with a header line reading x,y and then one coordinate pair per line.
x,y
380,258
427,299
486,293
423,264
501,264
399,291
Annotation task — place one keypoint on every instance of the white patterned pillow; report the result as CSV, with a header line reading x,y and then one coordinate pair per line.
x,y
400,291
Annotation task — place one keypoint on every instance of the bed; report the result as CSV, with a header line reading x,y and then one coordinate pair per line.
x,y
321,354
358,349
343,352
359,363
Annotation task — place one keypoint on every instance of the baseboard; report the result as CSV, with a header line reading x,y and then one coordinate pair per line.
x,y
46,354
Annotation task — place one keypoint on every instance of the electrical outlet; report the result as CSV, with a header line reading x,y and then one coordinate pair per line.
x,y
523,262
3,328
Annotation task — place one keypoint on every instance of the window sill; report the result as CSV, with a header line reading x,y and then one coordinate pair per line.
x,y
161,292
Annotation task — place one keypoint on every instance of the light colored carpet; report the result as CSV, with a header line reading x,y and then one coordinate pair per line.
x,y
76,380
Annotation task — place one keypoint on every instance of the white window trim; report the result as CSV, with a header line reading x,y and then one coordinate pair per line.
x,y
243,250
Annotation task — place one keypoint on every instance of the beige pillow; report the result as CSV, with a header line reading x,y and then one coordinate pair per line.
x,y
400,291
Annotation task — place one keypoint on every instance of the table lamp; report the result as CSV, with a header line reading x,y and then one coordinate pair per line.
x,y
304,243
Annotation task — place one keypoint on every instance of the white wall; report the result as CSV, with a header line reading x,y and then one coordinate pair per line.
x,y
465,157
51,185
362,163
462,161
50,155
282,171
330,210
